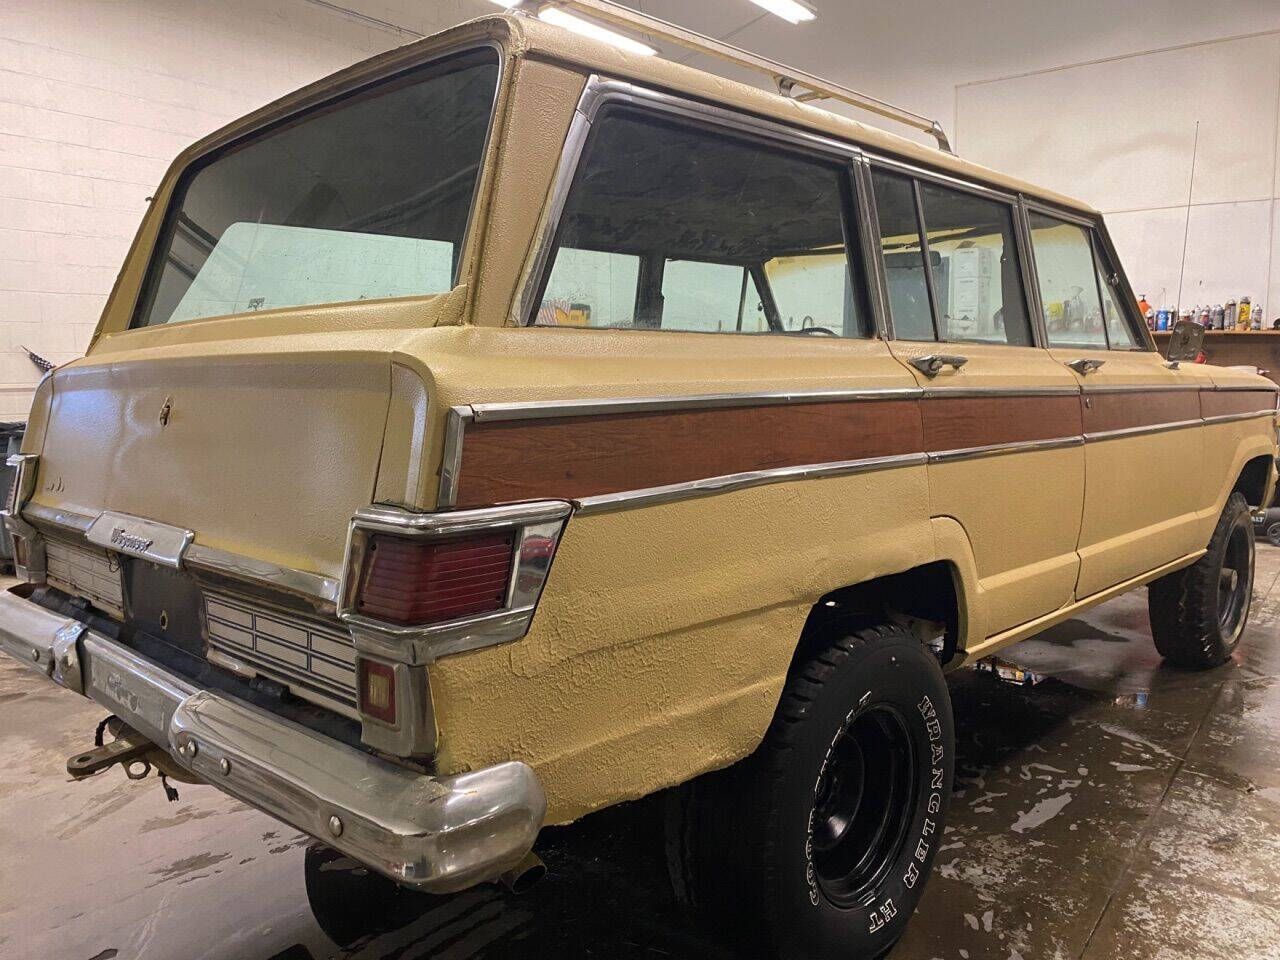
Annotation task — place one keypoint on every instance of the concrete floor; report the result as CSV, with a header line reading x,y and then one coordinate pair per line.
x,y
1119,809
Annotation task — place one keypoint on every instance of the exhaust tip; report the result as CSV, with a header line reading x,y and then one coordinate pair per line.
x,y
521,878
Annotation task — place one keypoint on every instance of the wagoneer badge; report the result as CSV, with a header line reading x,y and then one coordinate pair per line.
x,y
138,537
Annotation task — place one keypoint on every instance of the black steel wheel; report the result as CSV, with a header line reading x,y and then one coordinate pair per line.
x,y
1199,613
821,842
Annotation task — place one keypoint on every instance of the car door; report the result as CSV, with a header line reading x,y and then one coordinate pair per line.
x,y
1143,437
1001,416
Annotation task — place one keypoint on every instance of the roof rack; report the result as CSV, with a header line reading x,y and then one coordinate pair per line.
x,y
797,84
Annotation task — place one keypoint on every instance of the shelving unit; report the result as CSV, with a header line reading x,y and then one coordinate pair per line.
x,y
1258,348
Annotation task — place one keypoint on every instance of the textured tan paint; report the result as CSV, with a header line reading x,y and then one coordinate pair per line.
x,y
1021,511
663,637
541,106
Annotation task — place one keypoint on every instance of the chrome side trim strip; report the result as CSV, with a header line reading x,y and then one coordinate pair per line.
x,y
628,499
455,427
203,557
489,412
269,574
66,519
1228,417
1142,388
1240,388
1063,390
1148,428
995,449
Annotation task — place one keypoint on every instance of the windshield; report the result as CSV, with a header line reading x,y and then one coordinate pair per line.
x,y
365,197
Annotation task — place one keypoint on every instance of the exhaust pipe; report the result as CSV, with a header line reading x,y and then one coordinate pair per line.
x,y
520,878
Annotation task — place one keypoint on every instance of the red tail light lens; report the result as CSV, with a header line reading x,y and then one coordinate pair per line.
x,y
431,581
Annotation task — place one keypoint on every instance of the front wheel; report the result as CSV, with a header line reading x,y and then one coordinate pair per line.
x,y
1198,614
819,844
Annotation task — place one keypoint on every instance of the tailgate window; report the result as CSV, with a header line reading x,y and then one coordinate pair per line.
x,y
364,197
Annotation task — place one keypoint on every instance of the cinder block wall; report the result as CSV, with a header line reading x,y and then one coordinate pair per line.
x,y
97,97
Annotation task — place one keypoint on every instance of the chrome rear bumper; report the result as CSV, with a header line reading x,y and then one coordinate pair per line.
x,y
438,834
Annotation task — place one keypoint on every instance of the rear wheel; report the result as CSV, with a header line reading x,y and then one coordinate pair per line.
x,y
819,843
1198,614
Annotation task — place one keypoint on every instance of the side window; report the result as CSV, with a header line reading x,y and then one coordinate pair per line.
x,y
715,297
1066,268
671,227
590,288
963,280
903,254
1119,333
977,279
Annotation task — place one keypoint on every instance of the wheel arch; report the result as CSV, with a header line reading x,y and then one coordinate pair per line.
x,y
919,597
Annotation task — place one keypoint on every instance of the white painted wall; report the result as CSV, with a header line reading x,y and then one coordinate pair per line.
x,y
97,97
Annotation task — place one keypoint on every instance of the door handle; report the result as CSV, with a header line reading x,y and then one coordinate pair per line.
x,y
931,364
1085,365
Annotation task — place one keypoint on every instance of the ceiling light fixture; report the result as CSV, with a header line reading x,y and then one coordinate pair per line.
x,y
586,28
793,11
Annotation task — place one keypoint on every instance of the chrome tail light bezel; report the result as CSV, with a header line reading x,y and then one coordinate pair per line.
x,y
538,527
28,544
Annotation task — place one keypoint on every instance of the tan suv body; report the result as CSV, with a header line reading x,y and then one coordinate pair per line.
x,y
505,297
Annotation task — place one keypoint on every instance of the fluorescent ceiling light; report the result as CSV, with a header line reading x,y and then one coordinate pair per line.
x,y
793,11
586,28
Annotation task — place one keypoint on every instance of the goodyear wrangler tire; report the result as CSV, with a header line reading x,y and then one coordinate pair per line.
x,y
819,844
1198,614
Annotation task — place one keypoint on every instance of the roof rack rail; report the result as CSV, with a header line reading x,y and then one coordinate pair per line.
x,y
798,84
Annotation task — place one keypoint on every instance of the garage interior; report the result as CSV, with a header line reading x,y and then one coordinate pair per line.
x,y
1106,805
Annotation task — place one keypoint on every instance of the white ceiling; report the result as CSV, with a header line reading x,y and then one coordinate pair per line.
x,y
916,52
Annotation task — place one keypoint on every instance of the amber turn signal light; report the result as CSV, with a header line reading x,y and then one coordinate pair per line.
x,y
378,690
433,581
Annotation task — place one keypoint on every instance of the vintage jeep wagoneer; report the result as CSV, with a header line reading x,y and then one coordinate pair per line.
x,y
511,425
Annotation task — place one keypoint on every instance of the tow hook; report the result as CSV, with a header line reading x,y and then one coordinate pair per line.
x,y
128,748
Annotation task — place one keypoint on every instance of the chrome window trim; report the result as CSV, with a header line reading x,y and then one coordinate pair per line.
x,y
925,173
419,644
1104,253
354,87
598,93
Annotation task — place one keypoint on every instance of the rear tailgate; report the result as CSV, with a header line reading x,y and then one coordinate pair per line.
x,y
264,447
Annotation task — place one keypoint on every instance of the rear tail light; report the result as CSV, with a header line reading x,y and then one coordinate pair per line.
x,y
415,581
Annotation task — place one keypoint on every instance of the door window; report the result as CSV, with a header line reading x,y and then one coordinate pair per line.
x,y
1067,271
977,279
963,281
702,231
903,253
1119,332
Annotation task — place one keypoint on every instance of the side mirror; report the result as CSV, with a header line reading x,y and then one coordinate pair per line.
x,y
1185,341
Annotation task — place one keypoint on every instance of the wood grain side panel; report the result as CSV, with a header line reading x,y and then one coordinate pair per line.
x,y
571,457
953,423
1137,408
1220,403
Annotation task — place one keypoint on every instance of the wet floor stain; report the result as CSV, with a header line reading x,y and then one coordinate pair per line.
x,y
1118,809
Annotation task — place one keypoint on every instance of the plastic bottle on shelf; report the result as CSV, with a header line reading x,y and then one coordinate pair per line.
x,y
1150,316
1244,318
1230,310
1257,315
1143,307
1216,317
